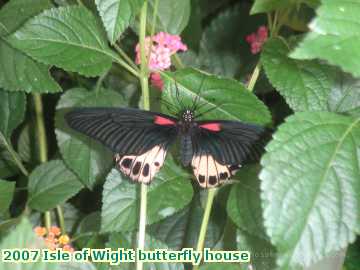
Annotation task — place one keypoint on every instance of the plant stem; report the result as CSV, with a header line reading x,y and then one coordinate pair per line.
x,y
146,106
201,240
126,66
61,219
43,150
126,57
254,77
14,155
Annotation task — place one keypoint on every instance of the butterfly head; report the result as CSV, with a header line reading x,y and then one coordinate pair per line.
x,y
188,116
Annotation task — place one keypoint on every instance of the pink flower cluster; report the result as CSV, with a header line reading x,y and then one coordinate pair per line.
x,y
256,40
160,47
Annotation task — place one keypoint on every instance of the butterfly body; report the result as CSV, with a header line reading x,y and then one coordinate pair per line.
x,y
140,139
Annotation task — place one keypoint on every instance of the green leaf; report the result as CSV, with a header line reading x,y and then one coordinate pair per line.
x,y
23,237
263,254
345,94
15,12
182,229
7,166
12,110
244,204
228,98
335,36
169,192
263,6
68,37
152,244
172,15
51,184
116,16
6,194
310,186
223,50
305,85
28,145
18,72
86,157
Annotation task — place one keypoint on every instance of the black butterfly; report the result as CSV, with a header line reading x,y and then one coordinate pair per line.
x,y
140,140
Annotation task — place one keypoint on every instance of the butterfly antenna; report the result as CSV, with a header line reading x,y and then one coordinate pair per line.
x,y
178,96
209,110
194,106
171,107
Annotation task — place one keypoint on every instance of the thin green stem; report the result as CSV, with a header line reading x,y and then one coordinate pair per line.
x,y
41,132
126,66
60,214
14,155
47,220
126,57
43,150
79,2
153,25
204,224
254,77
99,82
146,105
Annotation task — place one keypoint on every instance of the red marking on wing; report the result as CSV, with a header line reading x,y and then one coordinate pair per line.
x,y
211,126
163,121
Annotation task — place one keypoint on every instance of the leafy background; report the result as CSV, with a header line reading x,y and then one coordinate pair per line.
x,y
298,209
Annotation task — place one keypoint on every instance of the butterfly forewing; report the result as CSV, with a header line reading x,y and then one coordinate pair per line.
x,y
139,139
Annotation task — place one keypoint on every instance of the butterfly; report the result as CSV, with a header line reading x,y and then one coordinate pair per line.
x,y
140,139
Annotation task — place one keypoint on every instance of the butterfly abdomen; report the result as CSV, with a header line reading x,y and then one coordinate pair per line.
x,y
186,151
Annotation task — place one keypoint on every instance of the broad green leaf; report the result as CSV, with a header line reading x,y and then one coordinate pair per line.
x,y
67,37
334,36
263,254
7,166
244,204
227,98
223,50
86,157
12,110
7,189
152,244
18,72
24,237
169,192
15,12
310,186
172,15
261,6
51,184
116,16
352,260
345,94
305,85
28,145
182,229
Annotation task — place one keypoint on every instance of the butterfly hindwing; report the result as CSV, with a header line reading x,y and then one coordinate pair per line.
x,y
210,173
142,168
220,149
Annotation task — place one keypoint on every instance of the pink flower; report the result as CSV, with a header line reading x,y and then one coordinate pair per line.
x,y
256,40
156,80
160,47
